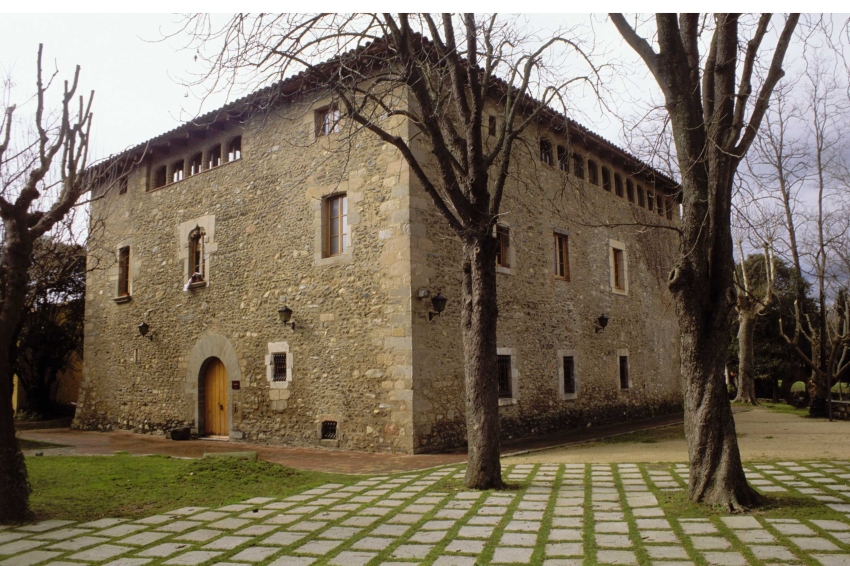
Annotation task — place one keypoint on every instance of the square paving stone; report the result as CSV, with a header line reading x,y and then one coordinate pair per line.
x,y
755,536
608,516
256,514
566,534
772,552
531,526
329,515
9,537
127,562
659,537
528,515
192,558
454,561
829,525
613,541
45,526
666,552
489,510
361,521
616,557
437,525
122,530
612,527
163,550
450,514
201,535
79,543
178,526
813,543
307,526
567,521
319,547
340,533
280,519
710,543
227,524
698,528
226,543
186,511
100,553
724,559
350,558
30,558
155,520
465,547
255,554
412,551
565,549
375,511
511,555
143,539
832,559
484,520
794,529
209,516
283,539
256,530
475,532
743,522
259,500
380,530
428,536
372,543
235,508
102,523
518,539
649,524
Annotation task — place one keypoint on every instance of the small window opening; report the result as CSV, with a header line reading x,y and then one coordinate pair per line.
x,y
328,430
505,389
177,171
578,166
618,185
215,157
606,180
327,121
196,255
279,373
337,239
641,202
630,191
650,201
562,257
659,204
569,375
159,177
546,152
124,272
491,126
122,186
234,149
592,172
619,281
503,246
624,372
563,162
195,164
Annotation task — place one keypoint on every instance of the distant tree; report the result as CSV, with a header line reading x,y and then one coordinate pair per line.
x,y
42,176
51,331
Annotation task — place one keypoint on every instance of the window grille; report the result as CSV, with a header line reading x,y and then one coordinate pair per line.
x,y
624,372
569,375
279,361
328,430
505,389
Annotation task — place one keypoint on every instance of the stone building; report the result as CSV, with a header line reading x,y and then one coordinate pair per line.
x,y
225,227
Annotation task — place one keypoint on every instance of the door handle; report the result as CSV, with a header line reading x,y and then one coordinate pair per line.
x,y
220,407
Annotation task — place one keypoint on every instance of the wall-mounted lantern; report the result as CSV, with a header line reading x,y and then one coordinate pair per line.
x,y
601,323
144,329
439,304
285,314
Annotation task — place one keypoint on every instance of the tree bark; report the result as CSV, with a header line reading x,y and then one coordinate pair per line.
x,y
746,358
479,316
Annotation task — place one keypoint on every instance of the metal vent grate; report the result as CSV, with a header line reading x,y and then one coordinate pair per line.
x,y
328,430
279,367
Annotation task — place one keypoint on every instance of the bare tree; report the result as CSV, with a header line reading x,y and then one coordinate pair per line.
x,y
382,65
34,197
708,97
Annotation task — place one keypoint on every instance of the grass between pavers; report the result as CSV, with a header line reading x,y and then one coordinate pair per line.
x,y
83,488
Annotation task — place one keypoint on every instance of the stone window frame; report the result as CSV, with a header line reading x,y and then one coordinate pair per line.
x,y
561,354
505,228
339,427
320,227
620,246
279,348
184,230
623,353
556,234
120,272
505,401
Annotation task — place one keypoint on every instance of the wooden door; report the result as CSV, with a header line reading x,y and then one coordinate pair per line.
x,y
215,399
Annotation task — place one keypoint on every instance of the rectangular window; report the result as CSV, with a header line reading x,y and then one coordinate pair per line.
x,y
563,162
624,372
234,149
578,166
124,272
641,202
279,369
606,181
569,375
505,385
562,257
503,246
650,201
195,164
160,177
659,205
546,152
619,269
592,172
630,191
327,121
177,171
336,211
215,157
328,430
618,184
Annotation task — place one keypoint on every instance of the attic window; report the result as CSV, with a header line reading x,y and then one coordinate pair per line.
x,y
327,121
234,149
578,166
592,172
563,162
215,157
606,181
546,152
195,164
177,171
630,191
159,177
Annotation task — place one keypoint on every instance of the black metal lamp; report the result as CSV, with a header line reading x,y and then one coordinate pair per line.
x,y
439,304
144,329
601,323
285,314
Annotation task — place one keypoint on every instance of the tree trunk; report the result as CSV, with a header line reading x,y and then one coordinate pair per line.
x,y
478,320
746,355
14,485
818,389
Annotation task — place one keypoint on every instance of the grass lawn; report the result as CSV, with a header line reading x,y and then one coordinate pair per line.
x,y
787,409
89,487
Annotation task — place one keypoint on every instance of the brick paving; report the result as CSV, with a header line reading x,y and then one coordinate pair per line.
x,y
563,515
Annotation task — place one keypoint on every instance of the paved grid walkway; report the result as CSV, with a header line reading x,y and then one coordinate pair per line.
x,y
563,515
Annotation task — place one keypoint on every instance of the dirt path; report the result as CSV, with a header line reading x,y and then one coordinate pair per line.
x,y
762,435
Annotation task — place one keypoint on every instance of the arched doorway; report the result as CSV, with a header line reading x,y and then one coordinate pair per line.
x,y
215,398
